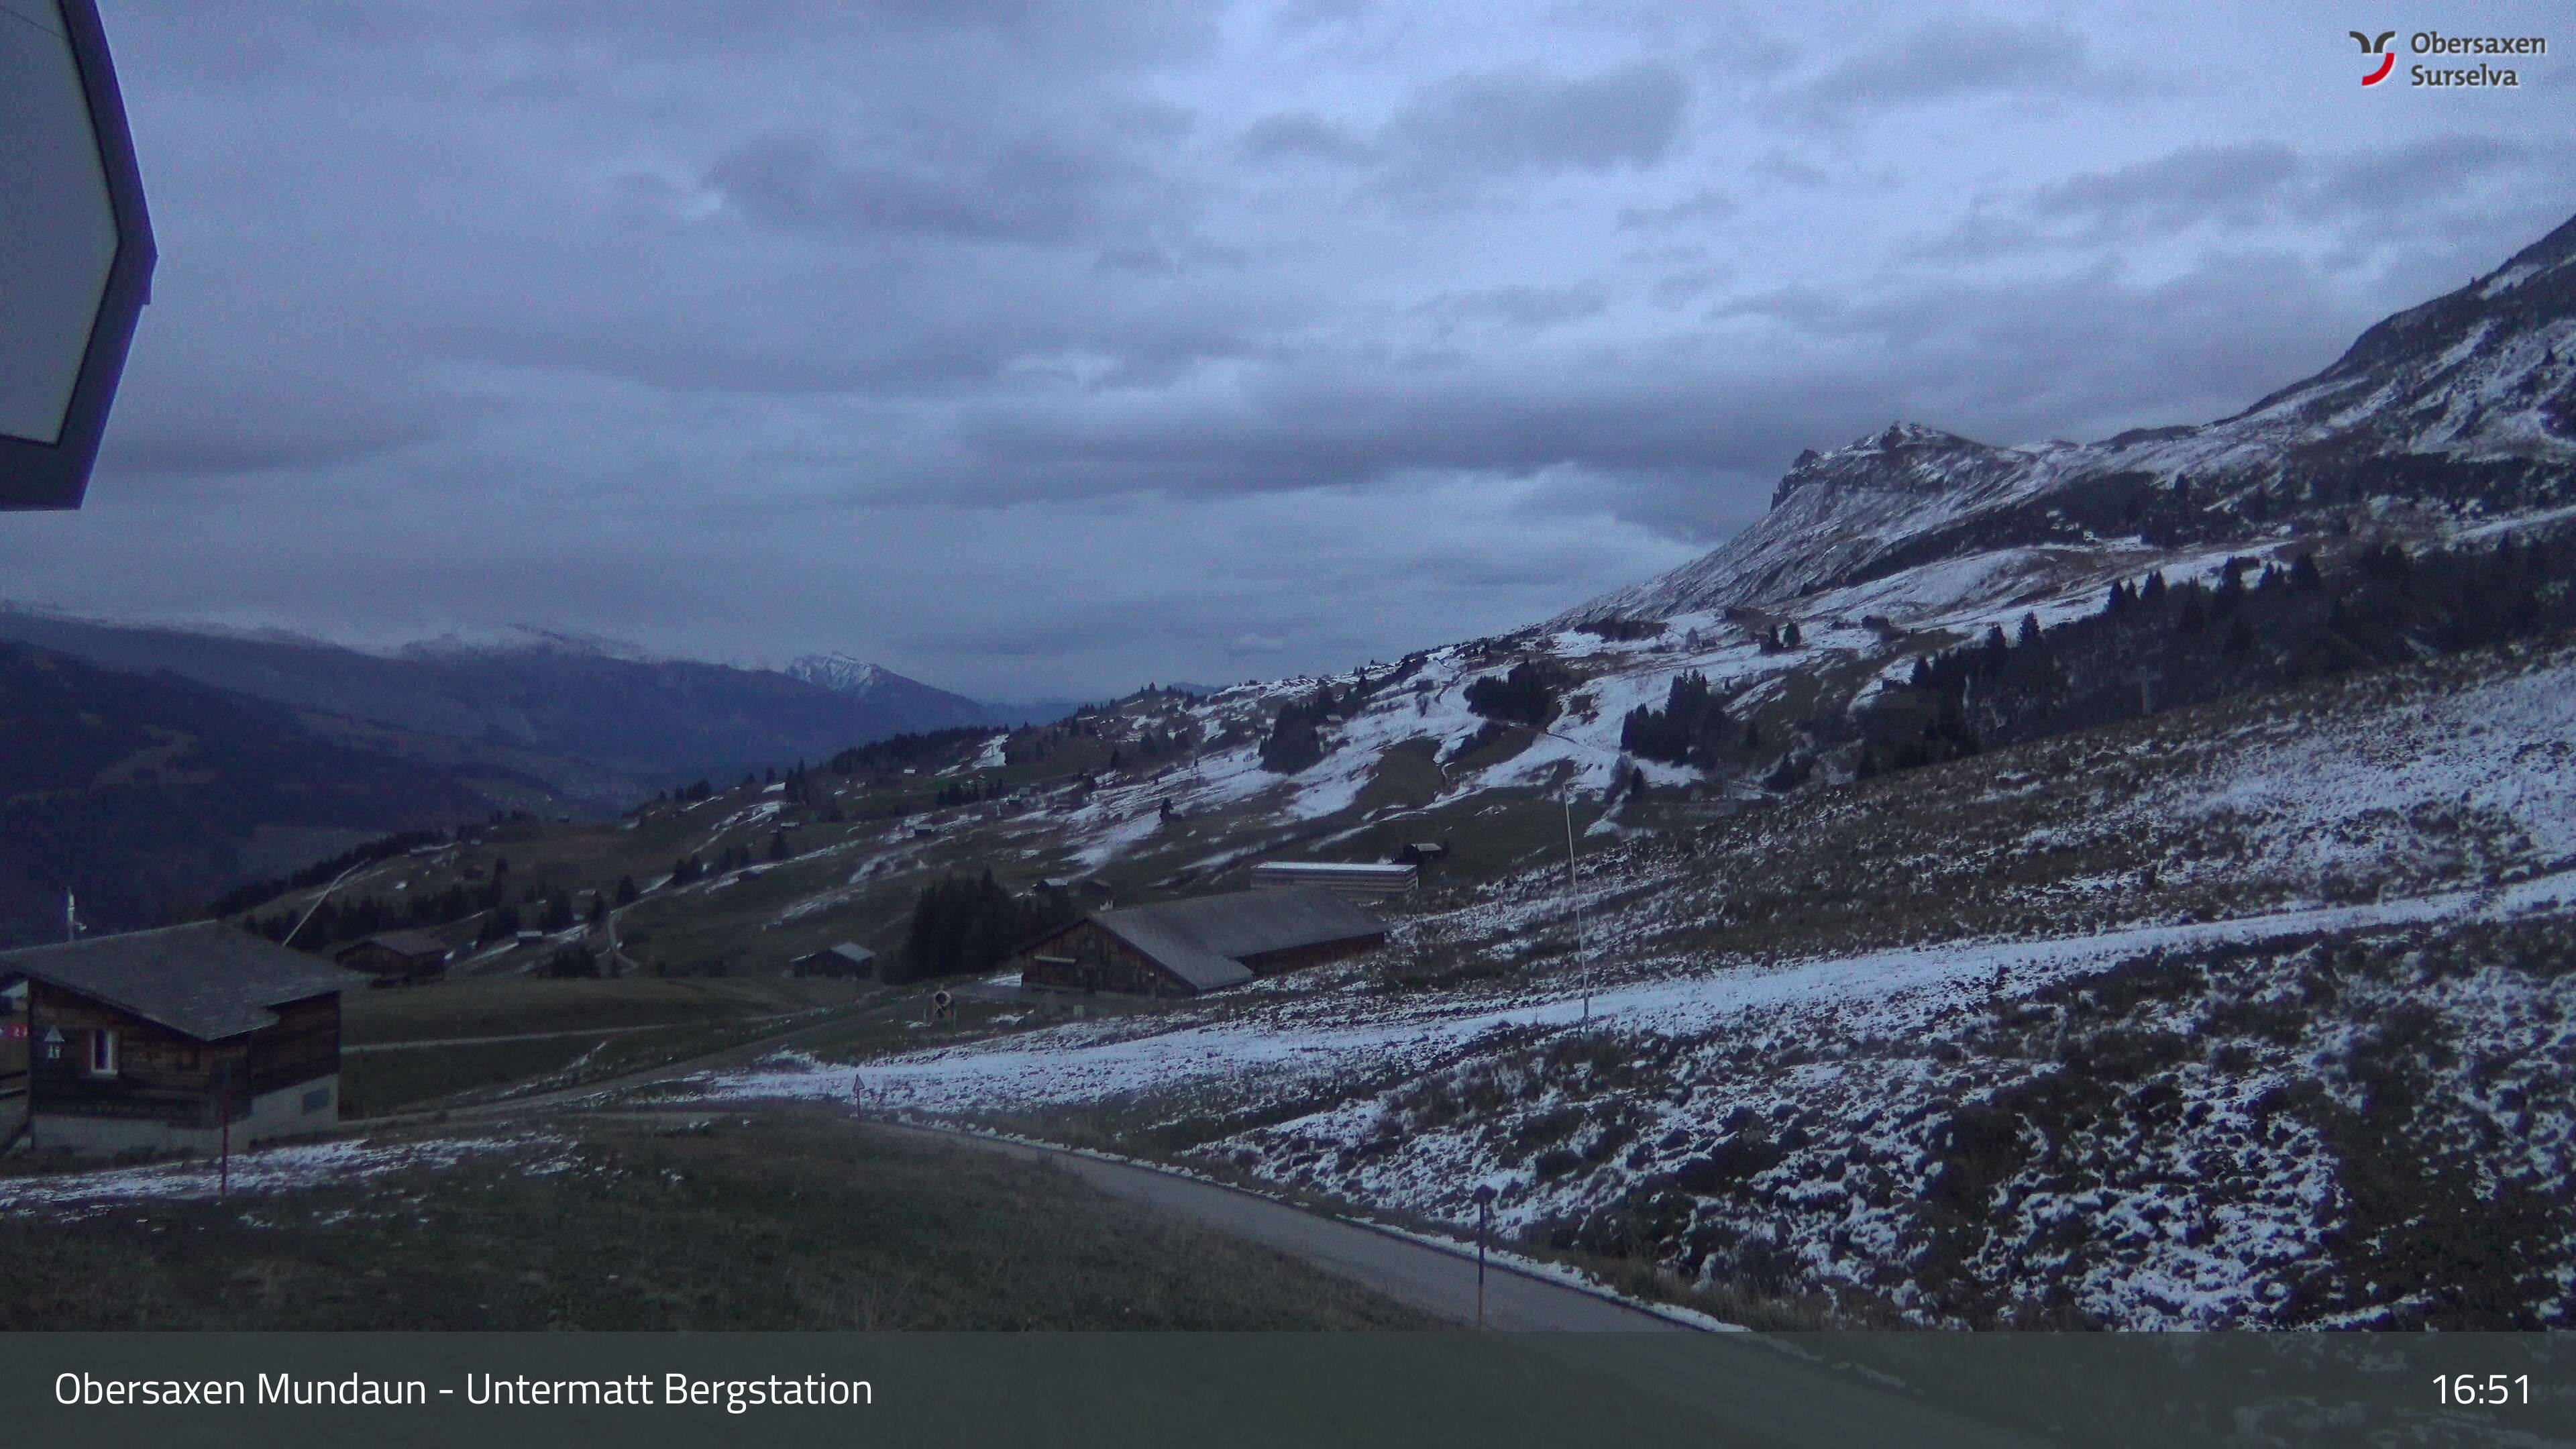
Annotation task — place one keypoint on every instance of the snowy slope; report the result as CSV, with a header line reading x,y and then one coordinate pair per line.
x,y
2154,1116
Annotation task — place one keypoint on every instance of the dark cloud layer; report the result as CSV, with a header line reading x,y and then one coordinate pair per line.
x,y
1042,348
1948,60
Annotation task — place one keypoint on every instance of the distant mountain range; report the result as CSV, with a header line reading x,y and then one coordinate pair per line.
x,y
655,721
148,768
147,794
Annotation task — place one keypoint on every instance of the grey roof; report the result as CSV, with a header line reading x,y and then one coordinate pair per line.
x,y
206,980
1334,867
1203,939
403,943
850,951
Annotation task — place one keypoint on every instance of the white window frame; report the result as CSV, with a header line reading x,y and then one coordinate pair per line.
x,y
102,1052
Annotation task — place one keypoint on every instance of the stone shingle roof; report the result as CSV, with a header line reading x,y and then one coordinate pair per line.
x,y
207,980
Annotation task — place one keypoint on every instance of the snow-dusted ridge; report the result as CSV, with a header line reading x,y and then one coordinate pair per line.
x,y
2464,404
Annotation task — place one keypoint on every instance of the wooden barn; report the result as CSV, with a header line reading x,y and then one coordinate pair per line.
x,y
142,1042
1207,943
397,958
849,959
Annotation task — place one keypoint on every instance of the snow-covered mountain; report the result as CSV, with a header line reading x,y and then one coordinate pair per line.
x,y
842,674
2462,409
923,706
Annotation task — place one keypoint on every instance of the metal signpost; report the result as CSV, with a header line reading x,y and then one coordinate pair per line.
x,y
76,250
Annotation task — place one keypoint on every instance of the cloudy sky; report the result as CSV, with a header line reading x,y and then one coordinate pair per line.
x,y
1036,348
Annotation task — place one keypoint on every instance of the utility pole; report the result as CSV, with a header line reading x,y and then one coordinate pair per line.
x,y
71,918
1572,884
1573,896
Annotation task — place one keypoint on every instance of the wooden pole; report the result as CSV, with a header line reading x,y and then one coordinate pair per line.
x,y
1484,1213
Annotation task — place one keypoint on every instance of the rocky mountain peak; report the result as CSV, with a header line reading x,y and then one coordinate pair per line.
x,y
1905,458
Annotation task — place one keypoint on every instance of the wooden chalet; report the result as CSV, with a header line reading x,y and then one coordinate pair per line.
x,y
143,1042
397,958
1206,943
849,959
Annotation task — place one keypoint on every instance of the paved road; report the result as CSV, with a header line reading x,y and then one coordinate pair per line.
x,y
1415,1274
1744,1389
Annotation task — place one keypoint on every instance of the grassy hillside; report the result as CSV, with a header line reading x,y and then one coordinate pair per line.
x,y
767,1222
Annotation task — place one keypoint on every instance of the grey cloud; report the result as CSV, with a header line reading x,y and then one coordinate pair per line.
x,y
2410,175
1298,16
1945,60
1523,308
1303,136
231,440
1680,438
2238,182
2241,187
1160,257
1032,191
1502,124
1451,138
1701,205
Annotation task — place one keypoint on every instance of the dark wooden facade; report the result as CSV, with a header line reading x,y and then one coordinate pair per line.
x,y
1083,957
161,1075
1271,963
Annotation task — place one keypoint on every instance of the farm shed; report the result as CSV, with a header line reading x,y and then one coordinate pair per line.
x,y
1359,881
849,958
397,958
1206,943
141,1042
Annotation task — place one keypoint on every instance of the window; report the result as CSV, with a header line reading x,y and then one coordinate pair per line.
x,y
102,1053
317,1100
